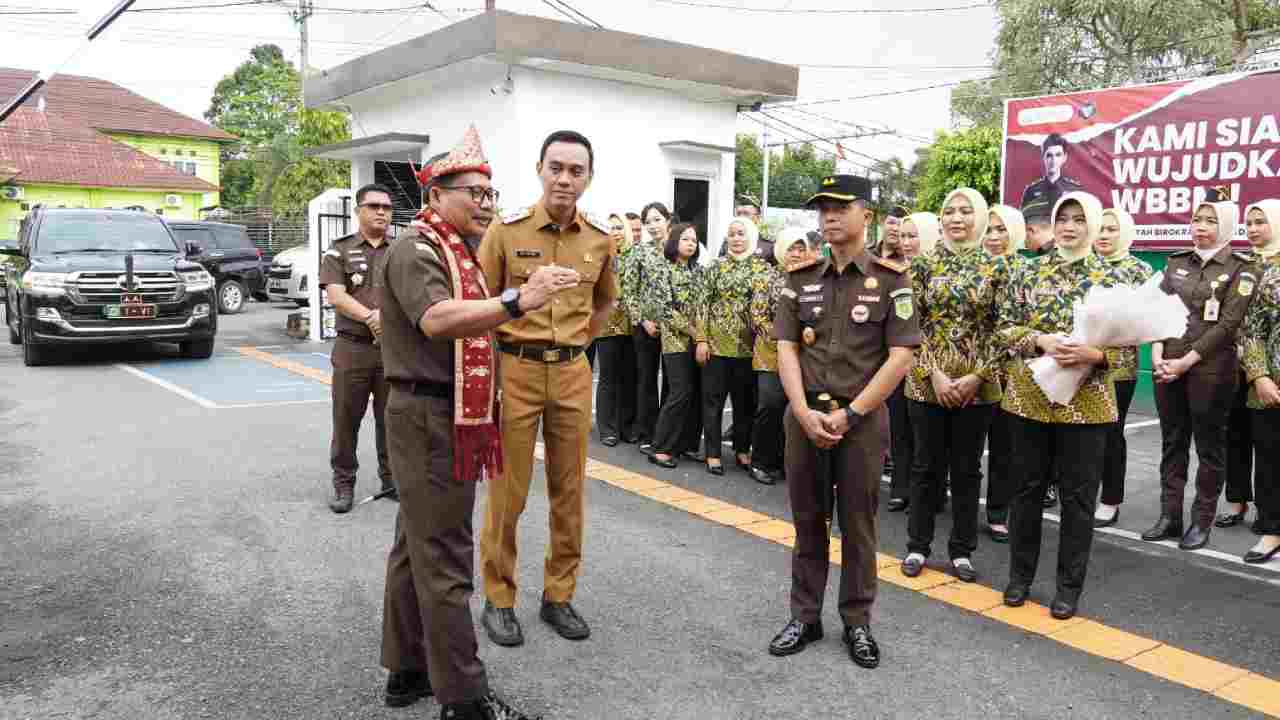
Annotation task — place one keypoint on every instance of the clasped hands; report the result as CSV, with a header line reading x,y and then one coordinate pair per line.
x,y
827,429
1069,353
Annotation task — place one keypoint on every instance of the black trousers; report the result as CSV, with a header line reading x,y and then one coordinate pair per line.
x,y
1240,448
1071,455
766,432
733,378
1195,405
648,351
901,443
679,422
1266,432
615,392
947,440
1000,482
1117,452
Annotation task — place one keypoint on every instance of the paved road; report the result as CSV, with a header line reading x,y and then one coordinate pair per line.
x,y
165,558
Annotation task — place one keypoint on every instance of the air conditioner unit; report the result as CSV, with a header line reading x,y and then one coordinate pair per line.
x,y
173,200
12,192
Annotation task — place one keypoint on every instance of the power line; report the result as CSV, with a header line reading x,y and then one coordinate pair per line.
x,y
39,12
822,11
179,8
819,138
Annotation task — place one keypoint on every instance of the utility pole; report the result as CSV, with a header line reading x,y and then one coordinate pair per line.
x,y
305,9
764,200
490,5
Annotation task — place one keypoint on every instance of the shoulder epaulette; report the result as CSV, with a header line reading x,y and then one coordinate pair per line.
x,y
1181,253
884,262
594,221
1244,256
333,252
518,215
802,265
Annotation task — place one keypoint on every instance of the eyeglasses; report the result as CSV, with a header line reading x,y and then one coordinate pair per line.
x,y
378,207
479,193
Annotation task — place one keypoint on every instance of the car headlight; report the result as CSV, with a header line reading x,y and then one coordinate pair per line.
x,y
197,280
44,282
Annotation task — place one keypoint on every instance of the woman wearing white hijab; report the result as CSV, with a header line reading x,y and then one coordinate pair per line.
x,y
917,235
1112,245
1006,235
1063,443
1196,374
726,342
953,388
1261,349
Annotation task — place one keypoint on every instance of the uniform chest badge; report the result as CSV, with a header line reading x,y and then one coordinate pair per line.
x,y
871,283
1245,288
812,288
586,258
357,279
860,313
809,336
1224,277
817,312
1182,272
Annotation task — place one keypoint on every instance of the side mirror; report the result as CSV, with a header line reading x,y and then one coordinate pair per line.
x,y
194,249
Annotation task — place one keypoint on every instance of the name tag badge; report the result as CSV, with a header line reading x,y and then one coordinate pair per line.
x,y
810,298
1211,308
528,253
812,288
868,298
1182,272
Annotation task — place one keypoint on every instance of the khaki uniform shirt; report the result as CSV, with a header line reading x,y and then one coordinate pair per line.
x,y
414,278
1231,278
845,323
524,241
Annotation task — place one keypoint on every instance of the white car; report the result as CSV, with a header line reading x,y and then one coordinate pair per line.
x,y
288,277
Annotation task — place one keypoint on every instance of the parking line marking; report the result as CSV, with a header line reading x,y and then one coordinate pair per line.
x,y
1175,665
202,402
283,364
325,401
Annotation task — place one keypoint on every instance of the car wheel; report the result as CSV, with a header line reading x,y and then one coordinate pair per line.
x,y
197,349
32,354
231,296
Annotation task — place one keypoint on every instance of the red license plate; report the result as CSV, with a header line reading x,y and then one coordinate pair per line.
x,y
137,311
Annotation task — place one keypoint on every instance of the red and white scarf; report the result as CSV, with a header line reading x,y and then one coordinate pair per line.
x,y
477,443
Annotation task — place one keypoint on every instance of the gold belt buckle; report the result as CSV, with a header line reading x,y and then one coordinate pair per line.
x,y
550,356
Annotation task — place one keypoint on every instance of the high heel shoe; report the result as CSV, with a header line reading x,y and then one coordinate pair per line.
x,y
1098,523
1226,520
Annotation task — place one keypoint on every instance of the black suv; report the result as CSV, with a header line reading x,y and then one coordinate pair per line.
x,y
104,276
227,252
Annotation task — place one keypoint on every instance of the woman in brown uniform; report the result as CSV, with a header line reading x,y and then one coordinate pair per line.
x,y
1196,374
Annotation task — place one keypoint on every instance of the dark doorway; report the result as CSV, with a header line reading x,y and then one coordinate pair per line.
x,y
404,189
692,198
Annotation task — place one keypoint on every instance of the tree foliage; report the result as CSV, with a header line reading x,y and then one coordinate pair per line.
x,y
1051,46
261,104
969,158
794,173
895,183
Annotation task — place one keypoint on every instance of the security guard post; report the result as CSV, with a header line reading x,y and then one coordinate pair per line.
x,y
348,275
846,326
442,428
545,379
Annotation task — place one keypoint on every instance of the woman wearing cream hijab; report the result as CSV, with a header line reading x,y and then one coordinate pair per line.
x,y
1006,235
1262,343
1196,374
952,390
1112,245
1051,441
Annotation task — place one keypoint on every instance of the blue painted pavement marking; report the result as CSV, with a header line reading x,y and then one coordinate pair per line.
x,y
230,381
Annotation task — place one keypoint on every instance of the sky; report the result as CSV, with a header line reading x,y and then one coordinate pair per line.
x,y
177,57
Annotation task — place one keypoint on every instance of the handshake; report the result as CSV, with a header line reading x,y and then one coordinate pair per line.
x,y
545,282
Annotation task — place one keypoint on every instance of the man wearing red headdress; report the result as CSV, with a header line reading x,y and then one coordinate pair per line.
x,y
442,432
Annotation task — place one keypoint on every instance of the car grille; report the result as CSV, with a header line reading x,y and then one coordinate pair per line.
x,y
103,288
281,273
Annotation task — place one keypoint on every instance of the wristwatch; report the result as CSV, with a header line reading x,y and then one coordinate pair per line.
x,y
511,301
853,415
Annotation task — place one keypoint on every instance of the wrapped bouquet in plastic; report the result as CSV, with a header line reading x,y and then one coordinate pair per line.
x,y
1120,316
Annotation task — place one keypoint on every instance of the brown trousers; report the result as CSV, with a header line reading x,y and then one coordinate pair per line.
x,y
559,396
856,464
357,374
1196,406
426,620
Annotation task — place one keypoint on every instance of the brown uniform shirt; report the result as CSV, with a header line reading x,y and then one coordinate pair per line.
x,y
845,323
1228,276
524,241
353,263
414,277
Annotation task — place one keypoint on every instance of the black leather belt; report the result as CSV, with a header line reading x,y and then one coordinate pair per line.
x,y
355,338
812,398
541,353
423,388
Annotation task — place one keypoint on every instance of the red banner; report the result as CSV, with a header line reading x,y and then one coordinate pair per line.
x,y
1153,150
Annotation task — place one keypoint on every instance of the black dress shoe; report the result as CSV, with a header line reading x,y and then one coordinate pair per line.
x,y
743,466
565,620
795,637
406,687
1016,594
762,476
1051,496
912,566
1107,523
668,463
965,571
1256,558
1226,520
646,448
898,504
863,648
1195,538
489,707
501,625
609,441
693,455
342,500
628,439
715,469
1164,529
1062,608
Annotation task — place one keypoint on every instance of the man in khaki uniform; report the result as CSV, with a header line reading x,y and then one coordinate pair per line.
x,y
349,276
546,379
